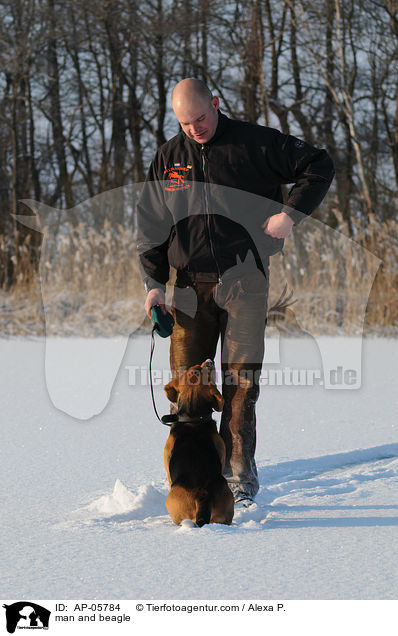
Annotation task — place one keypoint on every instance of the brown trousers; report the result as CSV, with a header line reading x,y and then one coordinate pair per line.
x,y
236,311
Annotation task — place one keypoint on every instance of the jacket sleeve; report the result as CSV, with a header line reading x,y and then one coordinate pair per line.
x,y
154,224
310,169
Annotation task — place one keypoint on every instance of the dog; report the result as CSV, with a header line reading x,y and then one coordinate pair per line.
x,y
194,455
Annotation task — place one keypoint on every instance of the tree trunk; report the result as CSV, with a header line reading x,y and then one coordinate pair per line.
x,y
63,184
160,76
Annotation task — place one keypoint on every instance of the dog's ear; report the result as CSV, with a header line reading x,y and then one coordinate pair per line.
x,y
218,400
171,390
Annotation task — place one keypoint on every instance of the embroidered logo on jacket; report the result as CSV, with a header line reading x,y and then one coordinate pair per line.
x,y
176,177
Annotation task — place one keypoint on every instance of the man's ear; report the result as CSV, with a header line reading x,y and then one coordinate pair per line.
x,y
218,400
216,102
171,389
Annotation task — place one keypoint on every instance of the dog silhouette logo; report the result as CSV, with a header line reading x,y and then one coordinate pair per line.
x,y
26,615
176,177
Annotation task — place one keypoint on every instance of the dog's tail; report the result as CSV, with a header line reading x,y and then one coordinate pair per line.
x,y
203,507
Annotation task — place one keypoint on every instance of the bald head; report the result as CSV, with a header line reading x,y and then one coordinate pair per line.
x,y
195,109
190,89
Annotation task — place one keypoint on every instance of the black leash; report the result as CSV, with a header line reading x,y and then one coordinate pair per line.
x,y
171,418
150,379
163,324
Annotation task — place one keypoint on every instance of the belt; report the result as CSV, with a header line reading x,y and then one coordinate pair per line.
x,y
185,277
188,278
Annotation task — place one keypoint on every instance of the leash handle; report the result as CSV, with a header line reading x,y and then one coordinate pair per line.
x,y
163,323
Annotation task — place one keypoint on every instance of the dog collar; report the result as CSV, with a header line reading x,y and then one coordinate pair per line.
x,y
173,418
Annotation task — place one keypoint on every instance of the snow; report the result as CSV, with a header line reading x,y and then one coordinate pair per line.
x,y
83,510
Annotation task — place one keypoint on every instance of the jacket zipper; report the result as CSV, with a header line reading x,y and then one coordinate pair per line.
x,y
207,210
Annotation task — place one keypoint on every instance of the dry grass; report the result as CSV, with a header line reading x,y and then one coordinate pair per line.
x,y
341,286
90,285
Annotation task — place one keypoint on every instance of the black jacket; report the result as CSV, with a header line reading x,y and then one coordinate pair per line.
x,y
203,205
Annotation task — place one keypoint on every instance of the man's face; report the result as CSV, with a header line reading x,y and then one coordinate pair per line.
x,y
198,120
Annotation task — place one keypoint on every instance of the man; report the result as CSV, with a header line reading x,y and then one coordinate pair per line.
x,y
212,208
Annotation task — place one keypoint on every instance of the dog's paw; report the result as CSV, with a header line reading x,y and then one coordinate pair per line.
x,y
188,523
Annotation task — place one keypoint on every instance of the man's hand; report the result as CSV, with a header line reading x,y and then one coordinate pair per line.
x,y
278,225
155,297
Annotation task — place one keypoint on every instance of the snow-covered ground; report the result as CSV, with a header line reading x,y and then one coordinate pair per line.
x,y
83,499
